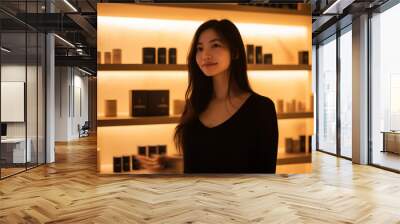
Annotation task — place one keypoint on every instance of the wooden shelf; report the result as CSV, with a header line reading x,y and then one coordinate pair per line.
x,y
143,173
262,67
183,67
141,67
292,158
283,159
298,115
121,121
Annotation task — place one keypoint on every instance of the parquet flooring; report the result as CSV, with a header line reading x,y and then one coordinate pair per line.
x,y
70,191
10,171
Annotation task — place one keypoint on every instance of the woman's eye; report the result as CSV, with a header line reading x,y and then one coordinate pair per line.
x,y
199,48
216,45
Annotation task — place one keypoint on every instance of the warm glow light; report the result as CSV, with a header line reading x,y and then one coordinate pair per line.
x,y
123,140
118,84
255,29
279,75
174,75
143,76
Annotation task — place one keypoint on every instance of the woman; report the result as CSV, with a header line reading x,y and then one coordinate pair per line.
x,y
226,127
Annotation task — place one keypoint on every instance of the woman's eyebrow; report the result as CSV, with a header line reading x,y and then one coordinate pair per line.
x,y
213,40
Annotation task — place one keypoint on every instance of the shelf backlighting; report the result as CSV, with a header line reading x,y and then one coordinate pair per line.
x,y
255,29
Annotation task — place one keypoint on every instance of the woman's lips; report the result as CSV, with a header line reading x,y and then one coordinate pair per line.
x,y
209,64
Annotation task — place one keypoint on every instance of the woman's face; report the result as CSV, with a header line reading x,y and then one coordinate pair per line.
x,y
213,56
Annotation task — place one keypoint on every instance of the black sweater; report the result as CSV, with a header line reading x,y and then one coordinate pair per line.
x,y
245,143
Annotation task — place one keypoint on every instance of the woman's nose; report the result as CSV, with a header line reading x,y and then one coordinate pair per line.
x,y
207,55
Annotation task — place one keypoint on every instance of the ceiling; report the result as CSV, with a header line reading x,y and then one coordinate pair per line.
x,y
328,16
76,24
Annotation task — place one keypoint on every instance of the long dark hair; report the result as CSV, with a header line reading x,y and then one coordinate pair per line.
x,y
200,89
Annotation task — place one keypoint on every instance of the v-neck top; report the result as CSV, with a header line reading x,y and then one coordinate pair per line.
x,y
247,142
231,117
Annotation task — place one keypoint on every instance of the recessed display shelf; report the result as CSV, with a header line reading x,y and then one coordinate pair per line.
x,y
121,121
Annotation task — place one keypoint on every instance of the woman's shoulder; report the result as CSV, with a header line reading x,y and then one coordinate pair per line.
x,y
263,101
264,109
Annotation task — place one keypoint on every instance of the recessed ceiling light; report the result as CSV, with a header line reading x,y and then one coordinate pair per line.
x,y
86,72
338,6
70,5
64,40
5,50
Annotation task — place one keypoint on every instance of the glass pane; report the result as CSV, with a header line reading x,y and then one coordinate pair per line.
x,y
346,94
31,95
13,87
41,98
385,86
327,96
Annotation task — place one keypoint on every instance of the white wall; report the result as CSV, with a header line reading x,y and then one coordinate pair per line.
x,y
71,94
33,126
61,103
16,73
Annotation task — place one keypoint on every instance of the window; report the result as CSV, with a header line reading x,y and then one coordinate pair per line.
x,y
385,89
22,92
327,96
346,93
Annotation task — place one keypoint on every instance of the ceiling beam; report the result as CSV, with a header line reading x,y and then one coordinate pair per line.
x,y
84,24
81,61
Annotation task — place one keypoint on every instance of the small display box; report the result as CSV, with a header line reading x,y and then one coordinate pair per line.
x,y
391,141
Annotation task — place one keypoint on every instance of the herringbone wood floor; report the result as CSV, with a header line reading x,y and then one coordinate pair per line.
x,y
70,191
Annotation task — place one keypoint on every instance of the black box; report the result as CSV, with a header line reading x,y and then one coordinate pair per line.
x,y
158,102
152,150
250,53
289,145
259,55
172,56
149,55
303,57
302,143
117,164
139,102
150,102
142,150
125,163
162,149
296,145
162,55
268,59
309,143
135,163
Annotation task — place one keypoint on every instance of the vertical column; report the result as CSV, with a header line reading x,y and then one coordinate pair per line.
x,y
50,99
92,99
315,94
360,90
50,92
338,91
